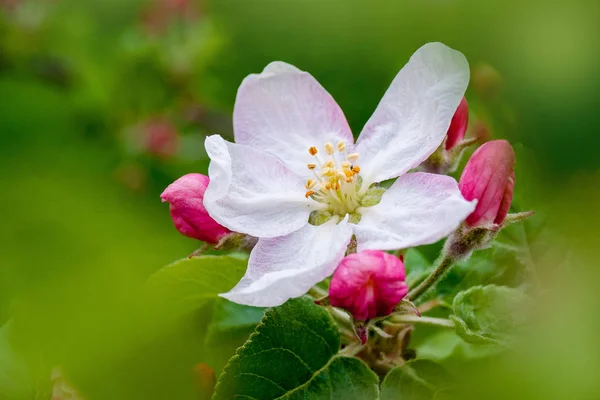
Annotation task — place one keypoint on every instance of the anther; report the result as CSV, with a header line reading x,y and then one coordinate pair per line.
x,y
312,166
352,157
329,148
326,172
313,151
341,146
328,164
310,183
309,193
335,186
355,169
346,164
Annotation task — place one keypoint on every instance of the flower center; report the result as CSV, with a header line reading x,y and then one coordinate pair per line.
x,y
336,182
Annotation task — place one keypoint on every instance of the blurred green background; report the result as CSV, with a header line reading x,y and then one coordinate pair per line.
x,y
104,102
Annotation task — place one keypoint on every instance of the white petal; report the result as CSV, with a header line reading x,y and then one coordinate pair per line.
x,y
413,117
253,192
419,208
286,267
284,111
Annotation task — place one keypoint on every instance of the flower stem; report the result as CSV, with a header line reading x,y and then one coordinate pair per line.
x,y
430,305
413,319
352,349
443,265
200,251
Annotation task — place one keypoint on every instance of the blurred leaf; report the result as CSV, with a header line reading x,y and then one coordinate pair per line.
x,y
537,247
417,267
292,355
488,314
447,347
416,380
230,316
15,380
188,284
229,328
498,265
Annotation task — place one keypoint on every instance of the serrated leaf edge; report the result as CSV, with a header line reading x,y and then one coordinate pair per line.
x,y
257,332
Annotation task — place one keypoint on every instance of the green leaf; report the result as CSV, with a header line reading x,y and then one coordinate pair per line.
x,y
229,316
417,267
447,348
292,355
489,314
416,380
230,327
188,284
497,266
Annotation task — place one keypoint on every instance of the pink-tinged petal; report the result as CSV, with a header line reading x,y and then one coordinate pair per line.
x,y
284,111
458,125
185,197
413,117
286,267
419,208
368,284
506,200
253,192
489,178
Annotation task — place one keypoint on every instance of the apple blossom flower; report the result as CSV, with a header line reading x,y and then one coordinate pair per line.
x,y
296,180
368,284
489,178
185,197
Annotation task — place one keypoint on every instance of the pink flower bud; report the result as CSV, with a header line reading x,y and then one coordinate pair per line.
x,y
160,138
458,125
368,284
185,196
489,177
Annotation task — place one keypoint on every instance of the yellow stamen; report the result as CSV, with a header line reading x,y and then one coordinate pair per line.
x,y
352,157
328,164
329,148
333,184
327,171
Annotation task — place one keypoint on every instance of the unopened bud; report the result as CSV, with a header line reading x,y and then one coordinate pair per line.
x,y
160,138
447,156
205,378
185,197
487,81
368,284
458,125
489,178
